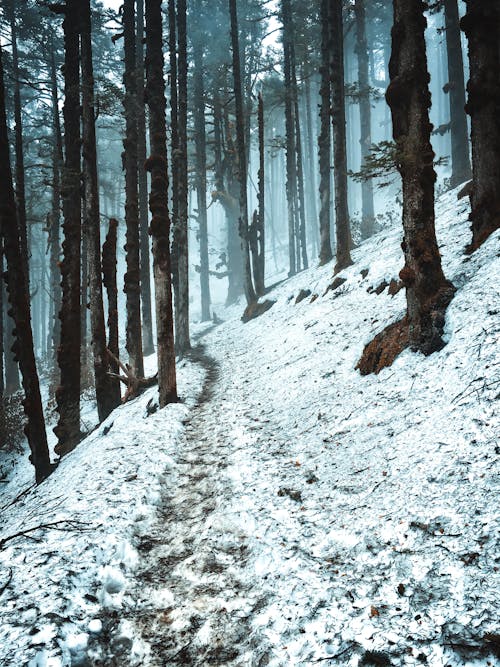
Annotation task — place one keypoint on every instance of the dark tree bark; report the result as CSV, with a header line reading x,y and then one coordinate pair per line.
x,y
367,210
158,203
342,224
109,280
428,292
92,219
300,168
324,140
291,164
201,163
55,214
241,152
460,162
310,154
2,329
19,150
482,27
132,286
147,319
19,302
182,338
68,356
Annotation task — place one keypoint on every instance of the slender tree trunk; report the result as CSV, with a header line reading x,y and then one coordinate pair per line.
x,y
68,356
158,203
310,181
183,343
132,286
105,402
110,283
242,162
19,150
291,165
460,162
365,140
19,302
482,27
324,140
84,352
300,168
55,214
428,292
342,225
147,320
2,329
260,287
201,163
174,131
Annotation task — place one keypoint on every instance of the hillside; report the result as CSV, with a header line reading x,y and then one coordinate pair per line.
x,y
289,511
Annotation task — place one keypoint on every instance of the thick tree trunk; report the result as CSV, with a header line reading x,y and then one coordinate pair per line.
x,y
19,150
147,319
241,152
291,164
132,286
110,283
19,302
201,163
482,27
158,203
182,337
324,140
92,218
68,356
428,292
55,214
342,224
367,210
460,162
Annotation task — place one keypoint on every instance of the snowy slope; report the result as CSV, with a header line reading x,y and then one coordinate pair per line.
x,y
306,514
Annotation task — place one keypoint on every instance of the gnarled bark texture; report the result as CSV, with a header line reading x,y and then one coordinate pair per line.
x,y
92,222
68,356
482,27
132,279
158,204
19,301
427,290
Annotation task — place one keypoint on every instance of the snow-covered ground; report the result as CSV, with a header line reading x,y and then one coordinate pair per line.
x,y
290,512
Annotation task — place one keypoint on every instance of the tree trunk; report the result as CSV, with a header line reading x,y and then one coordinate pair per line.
x,y
158,203
201,163
19,302
365,140
291,164
68,392
300,168
19,150
92,219
324,140
109,280
460,162
132,286
428,293
310,181
174,142
147,320
55,214
342,225
241,152
260,287
182,339
482,27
